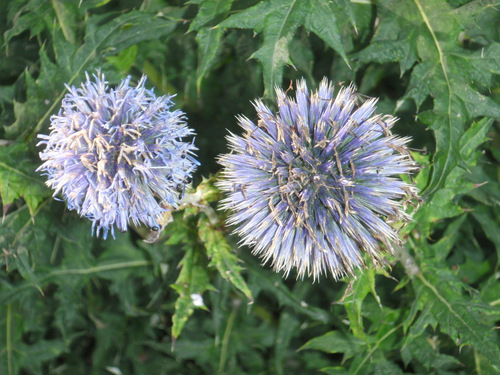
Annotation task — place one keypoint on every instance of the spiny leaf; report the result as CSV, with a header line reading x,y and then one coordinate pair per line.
x,y
221,255
193,281
322,21
279,28
17,178
455,100
429,32
465,320
35,16
441,205
278,20
424,349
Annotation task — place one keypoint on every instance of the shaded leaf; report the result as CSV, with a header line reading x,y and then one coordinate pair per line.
x,y
221,255
278,20
337,342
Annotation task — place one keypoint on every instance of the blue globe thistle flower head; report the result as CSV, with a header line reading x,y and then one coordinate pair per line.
x,y
117,156
316,185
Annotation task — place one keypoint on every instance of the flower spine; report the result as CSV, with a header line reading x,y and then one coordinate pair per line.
x,y
316,185
117,155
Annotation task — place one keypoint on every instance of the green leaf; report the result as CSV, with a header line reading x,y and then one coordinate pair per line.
x,y
35,16
125,59
424,349
374,360
428,31
250,18
454,99
337,342
279,27
357,290
322,21
65,12
17,178
287,329
442,248
442,205
221,255
274,284
26,267
210,12
465,320
192,282
487,218
278,20
209,42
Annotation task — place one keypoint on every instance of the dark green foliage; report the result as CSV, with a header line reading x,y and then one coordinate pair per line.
x,y
188,300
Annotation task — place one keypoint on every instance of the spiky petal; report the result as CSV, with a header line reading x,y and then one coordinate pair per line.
x,y
117,155
315,185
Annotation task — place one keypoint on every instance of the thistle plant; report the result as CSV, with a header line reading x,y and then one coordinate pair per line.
x,y
316,185
117,156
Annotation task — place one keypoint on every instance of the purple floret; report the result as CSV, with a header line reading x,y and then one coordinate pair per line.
x,y
117,155
316,185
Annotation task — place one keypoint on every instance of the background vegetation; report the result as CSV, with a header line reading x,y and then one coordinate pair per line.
x,y
72,303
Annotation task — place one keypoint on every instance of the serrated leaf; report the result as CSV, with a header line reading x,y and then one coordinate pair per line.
x,y
441,205
192,280
221,256
465,320
34,16
17,178
425,350
322,21
428,32
454,100
279,27
278,20
250,18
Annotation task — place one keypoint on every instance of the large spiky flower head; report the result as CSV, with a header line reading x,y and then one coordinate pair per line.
x,y
117,155
316,185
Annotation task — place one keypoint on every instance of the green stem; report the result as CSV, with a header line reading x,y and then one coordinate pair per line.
x,y
225,339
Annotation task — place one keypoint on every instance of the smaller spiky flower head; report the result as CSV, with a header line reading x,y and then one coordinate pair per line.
x,y
117,155
316,185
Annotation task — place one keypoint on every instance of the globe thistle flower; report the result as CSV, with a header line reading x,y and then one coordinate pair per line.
x,y
315,186
117,155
